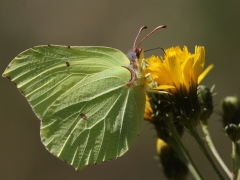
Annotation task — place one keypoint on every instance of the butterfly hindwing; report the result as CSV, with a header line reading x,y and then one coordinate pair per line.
x,y
97,120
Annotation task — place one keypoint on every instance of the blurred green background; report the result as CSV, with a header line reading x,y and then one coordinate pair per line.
x,y
25,23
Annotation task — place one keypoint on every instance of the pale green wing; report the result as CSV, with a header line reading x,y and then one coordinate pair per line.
x,y
97,120
88,113
44,73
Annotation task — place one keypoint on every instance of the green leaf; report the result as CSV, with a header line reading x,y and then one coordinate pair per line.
x,y
88,113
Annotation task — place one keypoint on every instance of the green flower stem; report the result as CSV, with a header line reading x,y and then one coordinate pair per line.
x,y
238,177
213,149
234,147
176,143
194,133
235,160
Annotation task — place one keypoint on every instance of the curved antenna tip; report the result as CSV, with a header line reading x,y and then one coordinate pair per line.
x,y
140,30
162,26
157,28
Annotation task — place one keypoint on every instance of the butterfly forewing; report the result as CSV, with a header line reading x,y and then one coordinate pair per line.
x,y
44,73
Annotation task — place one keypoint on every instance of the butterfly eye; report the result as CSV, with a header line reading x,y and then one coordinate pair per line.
x,y
138,52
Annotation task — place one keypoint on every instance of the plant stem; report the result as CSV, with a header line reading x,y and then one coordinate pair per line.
x,y
182,152
213,149
238,176
235,160
194,133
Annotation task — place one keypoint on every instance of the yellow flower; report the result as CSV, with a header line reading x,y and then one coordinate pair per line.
x,y
177,74
148,111
179,69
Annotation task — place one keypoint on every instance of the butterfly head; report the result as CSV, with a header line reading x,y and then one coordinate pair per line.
x,y
136,58
135,55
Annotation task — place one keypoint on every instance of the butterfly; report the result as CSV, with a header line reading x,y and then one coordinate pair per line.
x,y
89,99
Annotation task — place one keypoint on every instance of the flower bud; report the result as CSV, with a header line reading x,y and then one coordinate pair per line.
x,y
233,132
230,110
205,102
173,167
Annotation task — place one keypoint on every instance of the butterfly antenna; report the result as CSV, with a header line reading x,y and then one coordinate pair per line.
x,y
157,28
155,48
140,30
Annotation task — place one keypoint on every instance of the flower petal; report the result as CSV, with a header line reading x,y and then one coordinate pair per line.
x,y
175,70
204,73
165,87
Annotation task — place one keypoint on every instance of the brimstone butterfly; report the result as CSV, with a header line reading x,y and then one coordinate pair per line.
x,y
90,100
